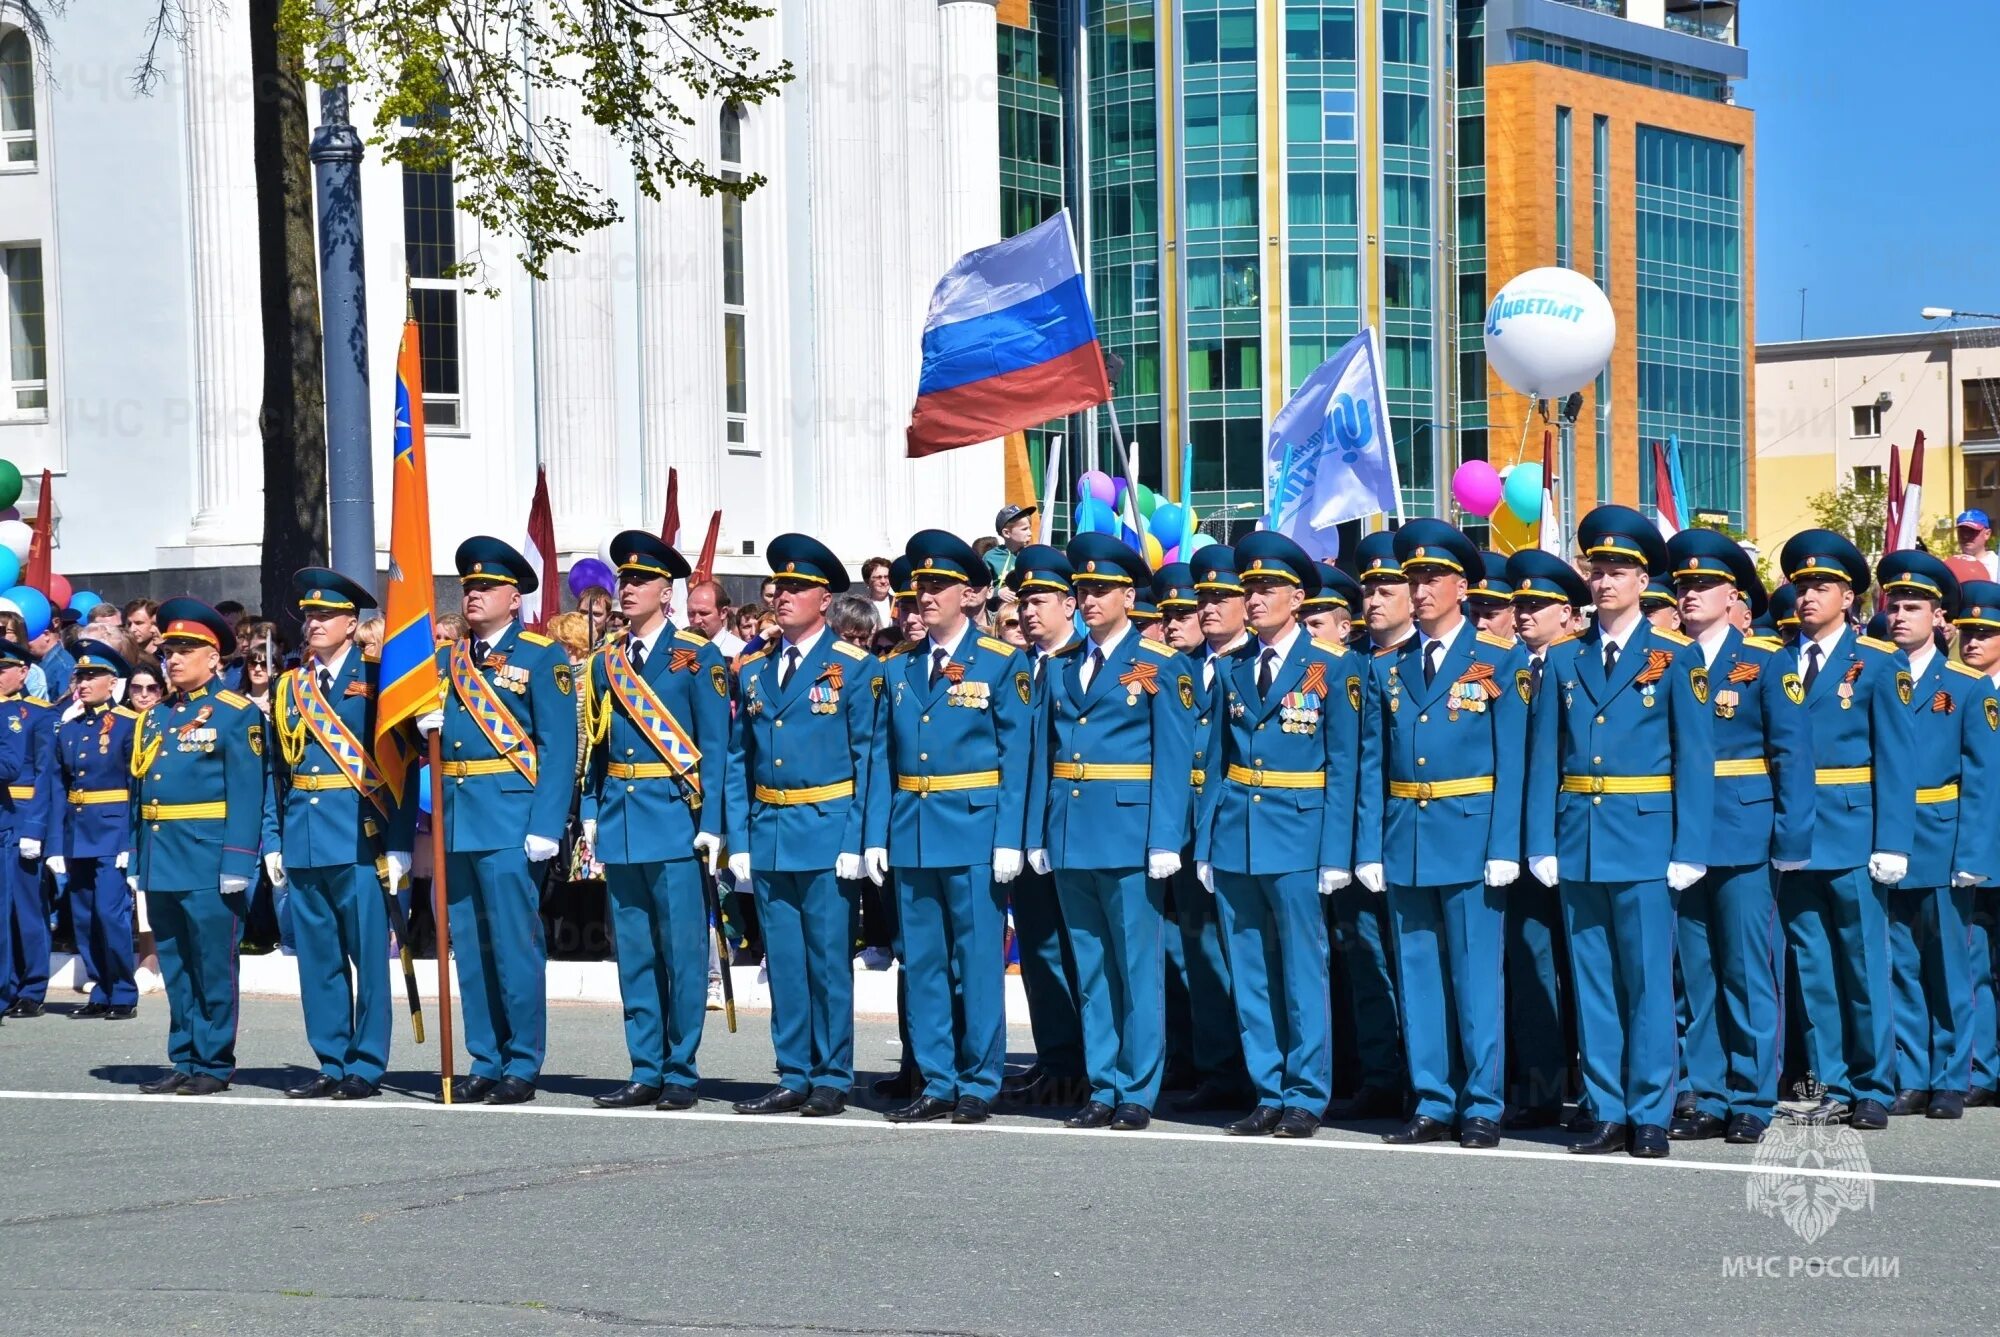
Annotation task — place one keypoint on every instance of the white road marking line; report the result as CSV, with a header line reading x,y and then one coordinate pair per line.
x,y
877,1126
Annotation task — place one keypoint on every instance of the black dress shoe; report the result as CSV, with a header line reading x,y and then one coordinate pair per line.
x,y
1601,1140
1420,1128
1649,1141
1130,1118
1096,1114
1946,1105
1371,1102
89,1010
317,1087
201,1084
1258,1122
924,1109
1209,1097
900,1087
1695,1126
1295,1122
356,1088
1538,1116
472,1090
1910,1102
629,1096
778,1100
122,1012
971,1109
1745,1130
164,1086
1478,1134
1981,1095
1869,1116
25,1007
676,1098
511,1091
1684,1103
824,1102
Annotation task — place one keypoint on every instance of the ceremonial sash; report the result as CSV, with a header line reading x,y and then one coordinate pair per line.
x,y
333,735
662,730
494,720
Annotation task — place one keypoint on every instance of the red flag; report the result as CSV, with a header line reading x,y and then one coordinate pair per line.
x,y
1892,501
705,568
1552,533
41,562
1910,509
1668,520
670,527
540,550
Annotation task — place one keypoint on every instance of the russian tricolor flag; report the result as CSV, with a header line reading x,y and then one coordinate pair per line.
x,y
1009,343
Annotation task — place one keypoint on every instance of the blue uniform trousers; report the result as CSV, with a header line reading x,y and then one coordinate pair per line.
x,y
29,977
1538,1045
1449,947
496,938
1116,918
1048,974
340,928
954,931
659,921
196,933
1360,930
1983,934
1621,946
1837,923
805,919
1930,962
100,911
1195,951
1730,949
1277,939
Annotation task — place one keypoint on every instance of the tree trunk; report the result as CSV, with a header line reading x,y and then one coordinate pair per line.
x,y
294,413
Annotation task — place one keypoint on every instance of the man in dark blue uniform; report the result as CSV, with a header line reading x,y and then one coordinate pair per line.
x,y
1978,624
94,841
25,811
1489,601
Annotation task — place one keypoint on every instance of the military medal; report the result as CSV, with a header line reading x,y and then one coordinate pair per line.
x,y
1846,690
1725,704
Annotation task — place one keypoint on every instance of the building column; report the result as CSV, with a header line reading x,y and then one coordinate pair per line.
x,y
228,319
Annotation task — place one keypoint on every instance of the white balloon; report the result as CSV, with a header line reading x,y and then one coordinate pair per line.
x,y
1549,332
16,536
604,553
9,606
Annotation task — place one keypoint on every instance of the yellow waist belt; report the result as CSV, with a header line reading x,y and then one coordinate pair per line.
x,y
83,798
1618,784
1743,766
312,783
1844,775
939,784
1091,770
640,770
1425,790
1941,794
792,798
1262,779
20,793
153,811
458,770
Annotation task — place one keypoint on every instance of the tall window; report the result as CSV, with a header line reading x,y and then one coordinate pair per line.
x,y
735,319
17,102
430,249
26,332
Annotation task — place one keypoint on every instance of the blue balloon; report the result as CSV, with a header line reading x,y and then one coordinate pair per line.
x,y
1092,517
1196,544
34,606
82,602
1167,522
10,569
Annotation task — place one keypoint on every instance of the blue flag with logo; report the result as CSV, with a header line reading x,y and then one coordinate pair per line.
x,y
1335,431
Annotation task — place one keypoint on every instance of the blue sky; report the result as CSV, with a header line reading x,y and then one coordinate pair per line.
x,y
1878,172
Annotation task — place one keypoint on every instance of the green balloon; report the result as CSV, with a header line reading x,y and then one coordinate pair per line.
x,y
10,484
1149,500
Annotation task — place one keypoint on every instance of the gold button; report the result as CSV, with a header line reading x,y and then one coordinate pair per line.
x,y
458,780
779,762
1423,803
1423,719
1595,799
1260,728
926,720
1420,761
315,770
1076,756
628,751
156,826
778,723
458,744
1600,719
629,788
1597,761
312,802
923,756
1256,798
1076,793
1083,719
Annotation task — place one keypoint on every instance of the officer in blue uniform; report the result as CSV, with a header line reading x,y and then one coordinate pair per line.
x,y
1660,605
337,822
1108,815
197,805
509,724
25,811
1783,614
808,808
1978,623
1954,847
1858,695
1727,923
1279,835
656,796
1489,601
1621,793
93,840
959,744
1443,732
1330,615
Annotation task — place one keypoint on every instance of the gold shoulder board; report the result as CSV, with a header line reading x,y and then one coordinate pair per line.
x,y
848,651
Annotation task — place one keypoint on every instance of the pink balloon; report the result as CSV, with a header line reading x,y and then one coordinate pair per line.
x,y
1476,486
59,591
1171,555
1096,485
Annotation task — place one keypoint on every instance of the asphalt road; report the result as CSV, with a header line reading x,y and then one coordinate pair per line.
x,y
247,1213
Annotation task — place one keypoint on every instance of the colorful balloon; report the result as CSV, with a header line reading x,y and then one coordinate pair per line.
x,y
59,590
1510,532
1196,544
589,573
16,537
1476,487
1155,555
1094,516
1149,501
10,571
1549,331
83,601
34,608
10,483
1169,519
1096,485
1171,555
1522,491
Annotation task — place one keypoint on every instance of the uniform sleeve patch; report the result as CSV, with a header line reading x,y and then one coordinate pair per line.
x,y
564,680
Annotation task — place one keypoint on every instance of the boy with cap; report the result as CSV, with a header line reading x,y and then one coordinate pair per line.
x,y
93,842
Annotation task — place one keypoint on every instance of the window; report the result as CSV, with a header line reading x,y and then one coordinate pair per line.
x,y
1405,119
1239,118
735,319
1325,280
1238,36
1471,141
1337,117
1868,477
1406,38
1145,287
26,332
1313,33
1406,282
17,102
1867,420
1201,39
430,249
1982,410
1406,201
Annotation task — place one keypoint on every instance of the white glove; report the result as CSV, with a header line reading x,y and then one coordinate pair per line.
x,y
133,883
712,847
274,868
1543,866
233,885
399,867
1888,869
1038,862
1162,863
1204,873
1788,865
1681,876
539,849
60,867
1006,866
875,862
30,848
1333,879
1502,872
590,832
739,869
1370,876
1959,879
430,723
123,858
846,866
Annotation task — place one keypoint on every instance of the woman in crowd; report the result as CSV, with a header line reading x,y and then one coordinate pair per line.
x,y
449,627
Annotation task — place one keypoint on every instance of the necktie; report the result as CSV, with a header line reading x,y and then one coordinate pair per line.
x,y
1610,657
1266,670
638,656
1208,672
1091,669
1812,664
938,658
479,652
325,682
1431,661
790,666
1535,676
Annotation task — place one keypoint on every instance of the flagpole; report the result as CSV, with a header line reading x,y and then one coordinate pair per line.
x,y
440,914
1051,480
